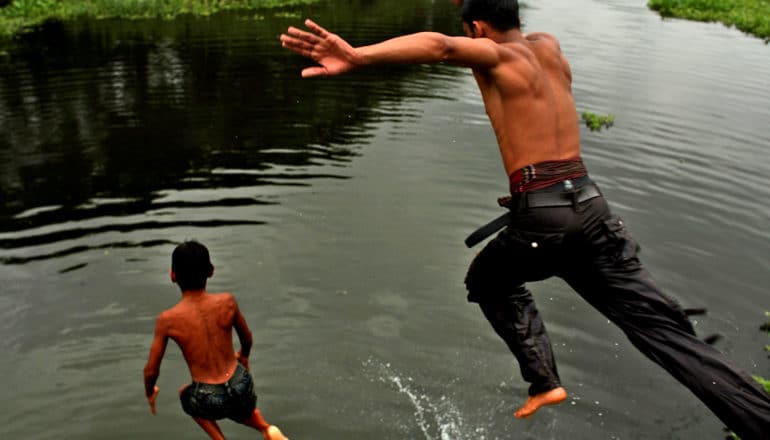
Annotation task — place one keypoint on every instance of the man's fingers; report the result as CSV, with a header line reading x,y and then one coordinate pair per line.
x,y
314,71
297,49
323,33
293,43
303,35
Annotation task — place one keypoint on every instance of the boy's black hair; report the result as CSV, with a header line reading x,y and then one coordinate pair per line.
x,y
191,265
502,15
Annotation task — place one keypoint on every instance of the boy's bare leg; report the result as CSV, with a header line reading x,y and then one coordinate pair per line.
x,y
211,428
269,432
533,403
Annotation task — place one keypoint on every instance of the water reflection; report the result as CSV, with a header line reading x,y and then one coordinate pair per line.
x,y
128,113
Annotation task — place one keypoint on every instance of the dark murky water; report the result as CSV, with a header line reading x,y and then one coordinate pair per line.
x,y
335,211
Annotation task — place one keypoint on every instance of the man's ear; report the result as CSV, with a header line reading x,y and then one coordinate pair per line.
x,y
211,272
479,29
172,275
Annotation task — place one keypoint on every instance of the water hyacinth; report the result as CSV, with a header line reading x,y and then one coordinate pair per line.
x,y
750,16
597,122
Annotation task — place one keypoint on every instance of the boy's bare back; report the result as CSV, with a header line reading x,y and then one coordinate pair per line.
x,y
202,324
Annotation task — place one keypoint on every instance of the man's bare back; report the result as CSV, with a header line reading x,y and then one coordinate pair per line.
x,y
529,102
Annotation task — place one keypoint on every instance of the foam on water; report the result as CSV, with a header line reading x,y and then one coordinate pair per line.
x,y
437,417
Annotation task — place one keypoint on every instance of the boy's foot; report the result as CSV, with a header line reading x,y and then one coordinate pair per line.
x,y
273,433
533,403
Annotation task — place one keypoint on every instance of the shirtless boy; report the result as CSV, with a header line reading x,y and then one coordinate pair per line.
x,y
202,325
559,223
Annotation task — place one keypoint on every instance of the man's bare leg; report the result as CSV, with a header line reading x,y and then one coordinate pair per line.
x,y
269,432
533,403
211,428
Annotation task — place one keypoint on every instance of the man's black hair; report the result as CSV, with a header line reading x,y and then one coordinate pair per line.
x,y
502,15
191,265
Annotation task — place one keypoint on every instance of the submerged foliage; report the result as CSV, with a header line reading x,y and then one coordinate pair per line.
x,y
24,14
597,122
751,16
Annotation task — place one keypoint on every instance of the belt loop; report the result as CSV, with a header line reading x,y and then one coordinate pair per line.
x,y
523,202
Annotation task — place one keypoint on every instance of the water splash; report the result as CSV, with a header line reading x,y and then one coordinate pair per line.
x,y
437,417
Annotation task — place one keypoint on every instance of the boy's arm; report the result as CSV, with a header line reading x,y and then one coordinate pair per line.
x,y
336,56
244,336
152,369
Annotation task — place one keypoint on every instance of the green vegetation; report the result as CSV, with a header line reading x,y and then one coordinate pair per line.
x,y
764,382
751,16
597,122
23,15
761,380
765,328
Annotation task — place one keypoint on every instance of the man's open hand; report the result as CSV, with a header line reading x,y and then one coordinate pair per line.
x,y
334,54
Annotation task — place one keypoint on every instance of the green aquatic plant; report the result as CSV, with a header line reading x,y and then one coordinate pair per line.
x,y
764,382
597,122
751,16
22,15
760,380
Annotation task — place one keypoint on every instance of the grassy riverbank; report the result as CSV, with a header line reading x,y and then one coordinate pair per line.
x,y
22,15
750,16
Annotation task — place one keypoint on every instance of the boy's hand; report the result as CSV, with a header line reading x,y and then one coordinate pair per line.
x,y
151,399
243,360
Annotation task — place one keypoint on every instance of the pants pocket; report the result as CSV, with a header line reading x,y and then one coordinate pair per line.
x,y
621,246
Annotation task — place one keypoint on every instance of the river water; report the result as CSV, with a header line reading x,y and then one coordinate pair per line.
x,y
335,211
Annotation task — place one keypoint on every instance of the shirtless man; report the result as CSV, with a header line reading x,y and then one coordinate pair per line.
x,y
558,224
202,325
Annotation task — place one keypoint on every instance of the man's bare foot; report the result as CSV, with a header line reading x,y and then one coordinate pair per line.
x,y
533,403
273,433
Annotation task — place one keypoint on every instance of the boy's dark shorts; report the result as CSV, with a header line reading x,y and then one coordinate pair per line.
x,y
234,399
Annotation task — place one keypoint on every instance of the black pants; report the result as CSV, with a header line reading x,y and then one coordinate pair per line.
x,y
590,249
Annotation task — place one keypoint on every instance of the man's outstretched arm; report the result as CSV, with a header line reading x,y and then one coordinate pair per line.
x,y
336,56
